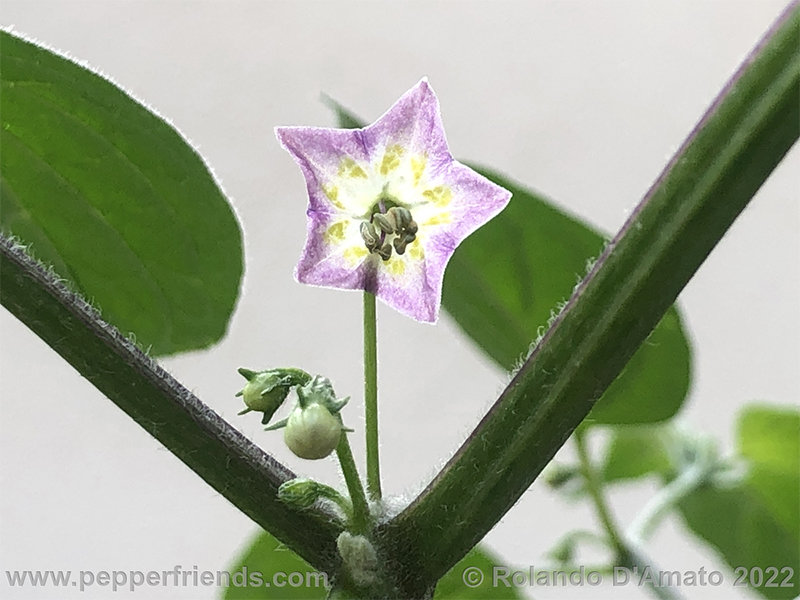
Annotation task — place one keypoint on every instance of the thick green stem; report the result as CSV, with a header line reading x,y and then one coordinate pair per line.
x,y
361,518
371,396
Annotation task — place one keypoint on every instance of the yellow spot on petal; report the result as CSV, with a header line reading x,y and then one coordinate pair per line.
x,y
396,266
415,251
350,168
391,159
354,254
332,192
335,233
418,167
440,195
440,219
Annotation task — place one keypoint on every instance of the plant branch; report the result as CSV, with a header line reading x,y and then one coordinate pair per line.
x,y
243,473
595,488
361,516
665,500
636,561
627,555
706,185
371,396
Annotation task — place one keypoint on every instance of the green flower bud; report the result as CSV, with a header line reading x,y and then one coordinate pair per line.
x,y
312,432
266,390
303,493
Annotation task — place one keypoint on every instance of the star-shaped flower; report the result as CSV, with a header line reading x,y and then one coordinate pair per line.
x,y
388,205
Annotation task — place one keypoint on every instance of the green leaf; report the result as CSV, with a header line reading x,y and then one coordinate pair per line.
x,y
506,279
472,577
636,451
116,201
267,570
769,439
755,522
752,521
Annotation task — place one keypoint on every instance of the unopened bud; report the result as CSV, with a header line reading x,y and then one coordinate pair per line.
x,y
266,390
301,493
312,432
264,393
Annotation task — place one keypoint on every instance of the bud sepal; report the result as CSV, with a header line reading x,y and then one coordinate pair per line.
x,y
318,390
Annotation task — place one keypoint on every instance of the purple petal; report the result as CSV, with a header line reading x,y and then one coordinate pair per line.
x,y
413,122
476,200
325,262
415,293
319,152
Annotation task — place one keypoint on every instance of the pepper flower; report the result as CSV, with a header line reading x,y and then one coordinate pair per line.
x,y
388,204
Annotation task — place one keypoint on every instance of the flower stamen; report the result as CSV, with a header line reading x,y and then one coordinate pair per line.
x,y
369,235
387,228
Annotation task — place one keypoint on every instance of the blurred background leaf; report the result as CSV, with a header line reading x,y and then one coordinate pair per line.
x,y
637,451
755,522
267,556
753,519
478,563
506,280
116,201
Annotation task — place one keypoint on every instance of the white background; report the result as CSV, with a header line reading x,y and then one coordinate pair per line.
x,y
584,101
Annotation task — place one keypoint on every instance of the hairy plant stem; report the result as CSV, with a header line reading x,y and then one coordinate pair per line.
x,y
626,554
371,396
361,517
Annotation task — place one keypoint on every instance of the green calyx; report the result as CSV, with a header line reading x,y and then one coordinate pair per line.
x,y
318,390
